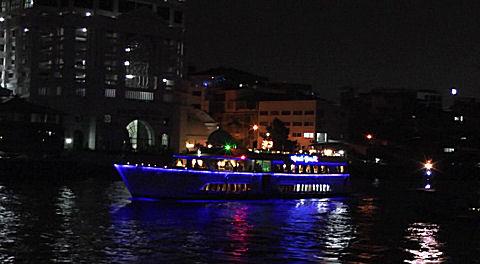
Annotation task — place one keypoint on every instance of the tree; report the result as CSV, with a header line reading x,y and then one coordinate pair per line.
x,y
279,136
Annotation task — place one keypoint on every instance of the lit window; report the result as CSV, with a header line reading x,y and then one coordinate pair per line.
x,y
165,140
308,135
449,150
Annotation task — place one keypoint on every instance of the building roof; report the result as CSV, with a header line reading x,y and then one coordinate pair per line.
x,y
233,74
18,105
220,137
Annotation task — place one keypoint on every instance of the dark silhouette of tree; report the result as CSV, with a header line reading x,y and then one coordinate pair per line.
x,y
279,136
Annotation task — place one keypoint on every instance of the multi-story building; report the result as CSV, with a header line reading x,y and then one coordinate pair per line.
x,y
392,114
111,66
308,121
196,124
230,96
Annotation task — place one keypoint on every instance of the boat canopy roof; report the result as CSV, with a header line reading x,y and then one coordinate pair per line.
x,y
275,158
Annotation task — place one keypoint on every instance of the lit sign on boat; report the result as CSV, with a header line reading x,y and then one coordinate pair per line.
x,y
304,158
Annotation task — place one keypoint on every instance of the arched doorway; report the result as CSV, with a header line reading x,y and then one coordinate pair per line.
x,y
141,135
77,140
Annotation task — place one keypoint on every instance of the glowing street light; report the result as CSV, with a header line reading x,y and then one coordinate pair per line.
x,y
255,127
369,136
454,91
428,165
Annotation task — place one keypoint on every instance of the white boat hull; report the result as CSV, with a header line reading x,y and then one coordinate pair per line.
x,y
164,183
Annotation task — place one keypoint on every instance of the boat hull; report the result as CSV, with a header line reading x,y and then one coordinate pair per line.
x,y
165,183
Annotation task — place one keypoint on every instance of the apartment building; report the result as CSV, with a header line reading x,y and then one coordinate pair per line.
x,y
111,66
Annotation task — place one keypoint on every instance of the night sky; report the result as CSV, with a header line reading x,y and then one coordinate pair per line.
x,y
330,44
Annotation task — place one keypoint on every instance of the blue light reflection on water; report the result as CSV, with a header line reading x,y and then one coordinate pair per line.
x,y
96,222
241,231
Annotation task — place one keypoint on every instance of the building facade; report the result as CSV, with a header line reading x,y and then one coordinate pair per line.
x,y
111,66
309,121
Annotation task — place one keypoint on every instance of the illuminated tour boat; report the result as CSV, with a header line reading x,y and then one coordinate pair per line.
x,y
245,176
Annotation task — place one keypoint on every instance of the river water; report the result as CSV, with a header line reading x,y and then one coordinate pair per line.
x,y
95,221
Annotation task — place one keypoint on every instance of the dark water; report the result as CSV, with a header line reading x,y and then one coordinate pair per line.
x,y
94,221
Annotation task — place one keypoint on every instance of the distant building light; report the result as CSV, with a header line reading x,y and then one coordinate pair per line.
x,y
129,76
2,19
413,116
126,63
68,140
448,150
164,80
454,91
205,84
463,138
128,49
88,14
26,30
84,29
428,186
189,145
240,85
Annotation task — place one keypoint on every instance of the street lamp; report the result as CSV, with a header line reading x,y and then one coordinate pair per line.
x,y
454,91
255,130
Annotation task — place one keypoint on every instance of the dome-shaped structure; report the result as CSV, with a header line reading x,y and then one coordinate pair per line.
x,y
220,138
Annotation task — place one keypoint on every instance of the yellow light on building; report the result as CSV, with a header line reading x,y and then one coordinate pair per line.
x,y
328,152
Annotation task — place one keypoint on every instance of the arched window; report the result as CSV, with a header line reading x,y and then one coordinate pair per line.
x,y
141,135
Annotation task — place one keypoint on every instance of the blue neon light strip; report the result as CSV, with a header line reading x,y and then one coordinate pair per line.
x,y
310,175
118,167
313,163
207,172
207,157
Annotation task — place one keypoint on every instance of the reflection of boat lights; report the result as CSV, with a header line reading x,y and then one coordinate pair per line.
x,y
428,172
428,186
426,236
